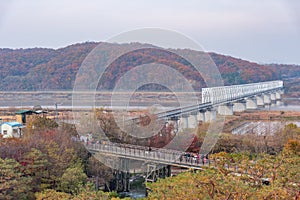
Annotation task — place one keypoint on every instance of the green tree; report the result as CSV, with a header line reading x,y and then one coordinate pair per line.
x,y
73,179
60,158
88,192
13,184
35,165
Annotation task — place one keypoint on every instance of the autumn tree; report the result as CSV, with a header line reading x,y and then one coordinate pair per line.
x,y
50,194
238,176
38,123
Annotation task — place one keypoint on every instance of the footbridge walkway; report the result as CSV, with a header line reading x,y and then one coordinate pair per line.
x,y
152,155
158,161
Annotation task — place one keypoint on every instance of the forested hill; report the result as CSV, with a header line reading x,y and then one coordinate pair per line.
x,y
50,69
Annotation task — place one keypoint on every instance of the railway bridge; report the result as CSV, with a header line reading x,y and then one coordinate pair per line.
x,y
225,101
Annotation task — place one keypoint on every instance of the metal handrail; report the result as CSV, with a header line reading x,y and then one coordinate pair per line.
x,y
158,155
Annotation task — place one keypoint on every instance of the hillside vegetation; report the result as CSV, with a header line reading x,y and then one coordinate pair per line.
x,y
50,69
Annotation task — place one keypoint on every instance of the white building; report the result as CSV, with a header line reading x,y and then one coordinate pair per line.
x,y
11,129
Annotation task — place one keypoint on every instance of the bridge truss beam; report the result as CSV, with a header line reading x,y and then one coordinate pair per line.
x,y
222,94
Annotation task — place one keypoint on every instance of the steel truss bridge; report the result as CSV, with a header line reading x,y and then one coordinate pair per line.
x,y
216,96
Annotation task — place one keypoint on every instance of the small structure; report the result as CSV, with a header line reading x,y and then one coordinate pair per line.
x,y
11,129
24,115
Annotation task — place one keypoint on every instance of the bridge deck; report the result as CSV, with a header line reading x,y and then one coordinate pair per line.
x,y
155,155
160,156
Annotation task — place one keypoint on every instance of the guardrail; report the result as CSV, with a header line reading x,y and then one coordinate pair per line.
x,y
156,155
164,156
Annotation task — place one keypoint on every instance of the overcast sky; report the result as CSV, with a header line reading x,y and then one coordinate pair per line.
x,y
264,31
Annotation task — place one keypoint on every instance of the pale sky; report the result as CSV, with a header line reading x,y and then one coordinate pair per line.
x,y
263,31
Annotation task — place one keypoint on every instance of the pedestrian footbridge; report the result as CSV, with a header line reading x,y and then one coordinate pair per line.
x,y
159,156
156,162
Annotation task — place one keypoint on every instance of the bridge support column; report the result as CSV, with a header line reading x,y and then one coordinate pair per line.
x,y
192,120
273,97
155,171
251,103
184,121
168,169
175,121
239,106
164,172
278,95
122,181
225,109
210,115
278,103
201,115
273,103
267,98
260,100
151,174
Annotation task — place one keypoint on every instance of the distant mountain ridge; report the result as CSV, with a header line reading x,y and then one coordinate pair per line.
x,y
50,69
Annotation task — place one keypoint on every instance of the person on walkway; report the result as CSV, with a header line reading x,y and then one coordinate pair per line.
x,y
207,158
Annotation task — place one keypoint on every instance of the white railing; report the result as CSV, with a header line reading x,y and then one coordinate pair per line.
x,y
158,155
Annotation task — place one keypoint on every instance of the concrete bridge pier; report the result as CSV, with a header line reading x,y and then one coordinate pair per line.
x,y
189,120
210,115
239,106
260,100
251,103
273,104
273,97
201,115
184,121
278,95
226,109
278,103
267,99
192,120
174,121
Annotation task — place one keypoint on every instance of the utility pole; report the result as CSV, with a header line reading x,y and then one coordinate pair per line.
x,y
56,113
56,110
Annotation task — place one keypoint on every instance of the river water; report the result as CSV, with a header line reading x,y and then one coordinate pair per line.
x,y
284,107
137,188
270,127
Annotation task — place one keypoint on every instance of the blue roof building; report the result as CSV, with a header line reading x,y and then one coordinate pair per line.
x,y
11,129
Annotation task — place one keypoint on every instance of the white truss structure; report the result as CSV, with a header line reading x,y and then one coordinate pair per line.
x,y
235,92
